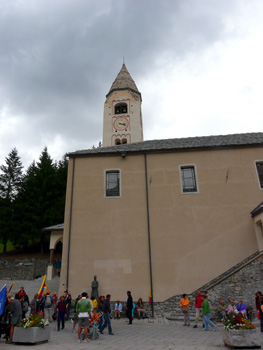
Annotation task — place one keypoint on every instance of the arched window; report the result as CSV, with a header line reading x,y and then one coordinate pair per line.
x,y
117,142
124,140
121,108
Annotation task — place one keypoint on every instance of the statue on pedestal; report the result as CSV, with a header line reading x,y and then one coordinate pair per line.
x,y
94,288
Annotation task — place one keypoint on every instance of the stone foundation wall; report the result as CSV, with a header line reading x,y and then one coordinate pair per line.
x,y
22,269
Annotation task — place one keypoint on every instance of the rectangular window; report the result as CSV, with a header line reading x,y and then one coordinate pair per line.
x,y
259,166
113,183
188,179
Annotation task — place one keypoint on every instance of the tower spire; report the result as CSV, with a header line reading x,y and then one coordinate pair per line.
x,y
124,81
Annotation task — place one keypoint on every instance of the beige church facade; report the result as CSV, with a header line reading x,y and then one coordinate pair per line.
x,y
186,201
160,216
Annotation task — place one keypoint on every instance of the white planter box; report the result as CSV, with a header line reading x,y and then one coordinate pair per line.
x,y
31,335
245,338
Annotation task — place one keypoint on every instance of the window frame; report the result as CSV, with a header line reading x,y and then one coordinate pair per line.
x,y
258,176
187,166
121,106
107,171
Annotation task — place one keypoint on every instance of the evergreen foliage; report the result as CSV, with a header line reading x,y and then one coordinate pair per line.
x,y
31,202
10,183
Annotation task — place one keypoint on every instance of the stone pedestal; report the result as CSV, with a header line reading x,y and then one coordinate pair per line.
x,y
242,339
31,335
51,272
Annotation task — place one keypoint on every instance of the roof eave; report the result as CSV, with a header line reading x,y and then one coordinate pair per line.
x,y
126,88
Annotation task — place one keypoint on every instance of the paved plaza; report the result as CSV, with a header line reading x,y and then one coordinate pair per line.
x,y
160,334
141,335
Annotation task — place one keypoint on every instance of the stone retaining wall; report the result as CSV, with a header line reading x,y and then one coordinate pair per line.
x,y
22,269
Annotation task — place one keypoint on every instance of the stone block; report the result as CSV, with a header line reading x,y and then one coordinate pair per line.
x,y
243,338
31,335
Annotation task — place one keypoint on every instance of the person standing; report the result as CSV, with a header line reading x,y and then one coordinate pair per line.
x,y
15,311
107,311
48,306
207,314
129,307
184,304
258,297
68,299
100,306
94,303
21,292
83,309
61,312
76,316
198,307
34,304
54,302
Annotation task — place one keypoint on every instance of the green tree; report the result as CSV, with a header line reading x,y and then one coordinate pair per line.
x,y
61,179
41,200
25,217
11,178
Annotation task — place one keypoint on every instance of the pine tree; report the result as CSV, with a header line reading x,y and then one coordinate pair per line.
x,y
11,178
25,217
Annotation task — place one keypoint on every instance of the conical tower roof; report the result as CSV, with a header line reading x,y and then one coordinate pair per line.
x,y
123,81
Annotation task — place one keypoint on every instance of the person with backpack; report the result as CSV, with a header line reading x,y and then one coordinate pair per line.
x,y
48,306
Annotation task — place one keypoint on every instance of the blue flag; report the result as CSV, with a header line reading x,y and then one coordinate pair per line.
x,y
2,299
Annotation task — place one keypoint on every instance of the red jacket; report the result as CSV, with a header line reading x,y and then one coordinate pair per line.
x,y
21,293
198,302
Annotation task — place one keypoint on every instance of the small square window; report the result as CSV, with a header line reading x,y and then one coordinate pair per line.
x,y
113,183
188,179
259,166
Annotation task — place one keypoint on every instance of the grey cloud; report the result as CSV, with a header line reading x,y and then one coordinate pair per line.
x,y
58,59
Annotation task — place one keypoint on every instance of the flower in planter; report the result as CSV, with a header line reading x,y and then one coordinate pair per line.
x,y
233,321
34,320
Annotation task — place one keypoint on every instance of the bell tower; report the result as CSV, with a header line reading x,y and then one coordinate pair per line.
x,y
122,121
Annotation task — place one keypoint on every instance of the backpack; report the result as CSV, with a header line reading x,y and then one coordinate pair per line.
x,y
48,301
25,306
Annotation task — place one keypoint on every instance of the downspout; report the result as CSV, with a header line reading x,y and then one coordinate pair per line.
x,y
149,231
70,220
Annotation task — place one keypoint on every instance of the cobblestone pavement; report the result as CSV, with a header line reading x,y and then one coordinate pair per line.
x,y
141,335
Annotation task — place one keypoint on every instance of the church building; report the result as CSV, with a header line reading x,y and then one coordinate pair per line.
x,y
160,216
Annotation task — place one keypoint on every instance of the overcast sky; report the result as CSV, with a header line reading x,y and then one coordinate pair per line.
x,y
197,63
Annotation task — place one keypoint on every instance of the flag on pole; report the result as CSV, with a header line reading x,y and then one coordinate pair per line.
x,y
43,285
2,299
45,289
150,298
9,290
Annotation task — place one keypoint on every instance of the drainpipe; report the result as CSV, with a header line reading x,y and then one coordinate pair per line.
x,y
70,220
149,231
